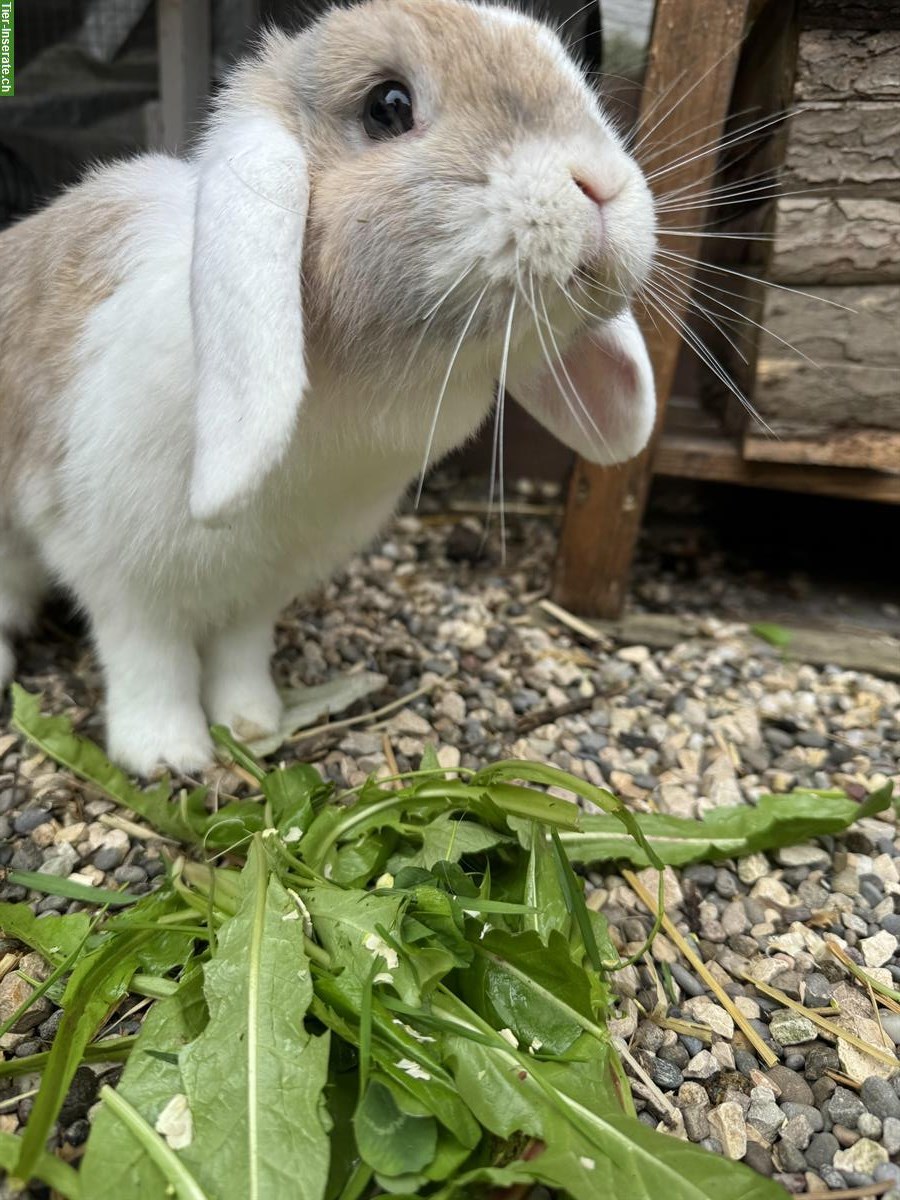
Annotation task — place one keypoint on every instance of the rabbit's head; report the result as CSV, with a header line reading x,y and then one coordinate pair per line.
x,y
433,169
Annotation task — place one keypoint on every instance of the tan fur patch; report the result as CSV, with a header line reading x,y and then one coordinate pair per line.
x,y
55,268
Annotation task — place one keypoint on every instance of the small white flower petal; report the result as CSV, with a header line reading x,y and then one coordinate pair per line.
x,y
293,835
509,1036
175,1123
587,1163
379,948
413,1033
413,1069
383,977
385,881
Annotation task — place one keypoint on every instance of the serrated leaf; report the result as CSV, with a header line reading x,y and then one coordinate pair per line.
x,y
723,833
254,1077
54,937
115,1163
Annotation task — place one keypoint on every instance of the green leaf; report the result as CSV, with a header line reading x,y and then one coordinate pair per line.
x,y
55,737
52,885
448,838
54,937
536,990
292,791
543,888
723,833
775,635
115,1163
391,1141
179,1180
47,1168
98,981
254,1077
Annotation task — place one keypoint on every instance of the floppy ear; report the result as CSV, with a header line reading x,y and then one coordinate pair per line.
x,y
601,400
252,200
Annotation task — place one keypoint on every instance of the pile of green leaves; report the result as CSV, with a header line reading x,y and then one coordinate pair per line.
x,y
400,992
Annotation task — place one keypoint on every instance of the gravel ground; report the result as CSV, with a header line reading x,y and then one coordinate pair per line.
x,y
684,730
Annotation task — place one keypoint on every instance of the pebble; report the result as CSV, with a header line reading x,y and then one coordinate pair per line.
x,y
792,1087
879,1098
822,1149
702,1066
696,1122
890,1135
879,949
791,1029
665,1075
61,860
726,1122
767,1117
759,1158
861,1158
702,1010
845,1108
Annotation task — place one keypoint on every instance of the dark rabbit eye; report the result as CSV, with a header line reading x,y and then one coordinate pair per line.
x,y
388,110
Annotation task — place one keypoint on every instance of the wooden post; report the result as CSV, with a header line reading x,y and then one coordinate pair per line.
x,y
184,36
694,52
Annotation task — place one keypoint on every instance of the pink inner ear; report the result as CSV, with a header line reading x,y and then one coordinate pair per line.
x,y
601,403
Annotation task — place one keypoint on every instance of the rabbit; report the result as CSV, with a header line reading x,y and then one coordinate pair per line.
x,y
219,374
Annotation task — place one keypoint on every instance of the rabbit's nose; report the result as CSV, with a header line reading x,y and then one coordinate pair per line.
x,y
590,190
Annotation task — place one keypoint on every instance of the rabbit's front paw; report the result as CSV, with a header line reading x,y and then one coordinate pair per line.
x,y
143,742
248,704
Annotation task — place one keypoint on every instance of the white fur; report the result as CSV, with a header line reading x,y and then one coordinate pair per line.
x,y
210,474
252,199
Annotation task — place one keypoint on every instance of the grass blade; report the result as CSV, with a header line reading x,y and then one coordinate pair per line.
x,y
52,885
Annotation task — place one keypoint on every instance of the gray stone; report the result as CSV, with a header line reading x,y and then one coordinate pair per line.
x,y
61,860
696,1122
665,1075
812,1114
767,1117
821,1150
845,1108
797,1131
890,1023
817,993
759,1158
791,1086
107,858
890,1136
879,1098
869,1126
790,1158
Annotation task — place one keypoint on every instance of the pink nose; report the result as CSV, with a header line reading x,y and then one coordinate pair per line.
x,y
592,192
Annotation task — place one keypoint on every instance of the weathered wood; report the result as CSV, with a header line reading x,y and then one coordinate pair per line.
x,y
853,65
836,645
846,145
864,330
605,506
721,460
799,399
874,449
850,14
837,240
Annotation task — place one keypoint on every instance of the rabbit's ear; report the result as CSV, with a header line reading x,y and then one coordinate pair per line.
x,y
246,306
600,398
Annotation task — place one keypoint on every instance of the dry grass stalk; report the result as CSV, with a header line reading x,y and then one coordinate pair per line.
x,y
825,1025
571,621
888,996
760,1047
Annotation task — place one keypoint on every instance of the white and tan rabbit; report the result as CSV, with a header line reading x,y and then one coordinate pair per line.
x,y
217,376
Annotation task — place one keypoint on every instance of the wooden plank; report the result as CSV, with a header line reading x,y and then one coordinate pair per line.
x,y
852,146
183,31
855,65
798,399
835,645
837,240
719,460
874,449
605,506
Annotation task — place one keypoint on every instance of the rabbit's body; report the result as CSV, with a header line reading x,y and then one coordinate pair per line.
x,y
187,454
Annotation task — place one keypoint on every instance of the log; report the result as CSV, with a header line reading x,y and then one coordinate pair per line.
x,y
847,145
854,449
863,331
855,65
800,400
837,240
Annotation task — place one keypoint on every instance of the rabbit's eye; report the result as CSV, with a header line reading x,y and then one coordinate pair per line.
x,y
388,110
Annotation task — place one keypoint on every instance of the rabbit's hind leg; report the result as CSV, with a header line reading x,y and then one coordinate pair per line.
x,y
22,580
